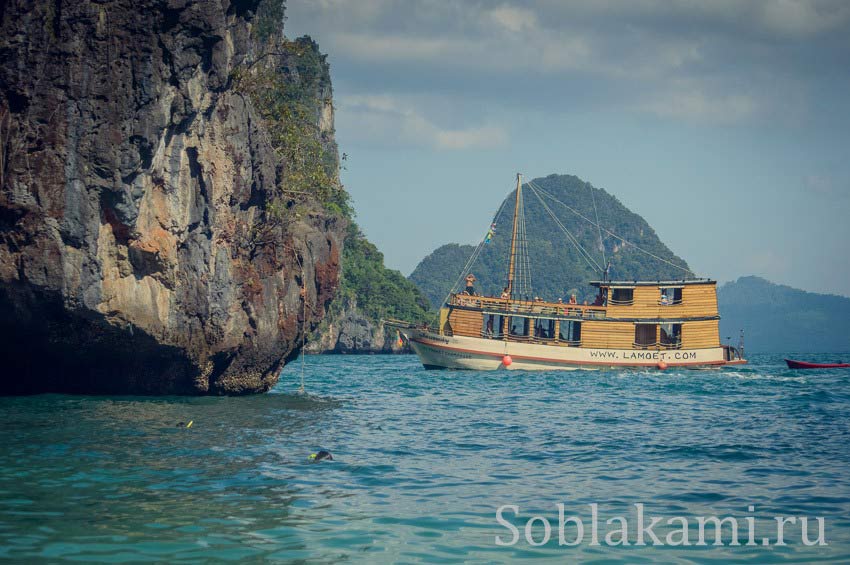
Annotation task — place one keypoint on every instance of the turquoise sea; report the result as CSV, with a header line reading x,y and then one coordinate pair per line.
x,y
422,461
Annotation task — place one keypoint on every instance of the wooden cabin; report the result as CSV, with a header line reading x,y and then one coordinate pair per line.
x,y
628,315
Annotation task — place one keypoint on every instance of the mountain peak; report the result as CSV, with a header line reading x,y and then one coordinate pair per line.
x,y
561,265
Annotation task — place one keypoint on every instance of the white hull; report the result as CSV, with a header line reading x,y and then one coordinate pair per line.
x,y
457,352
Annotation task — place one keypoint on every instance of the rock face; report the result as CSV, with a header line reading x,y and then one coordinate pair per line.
x,y
134,180
351,331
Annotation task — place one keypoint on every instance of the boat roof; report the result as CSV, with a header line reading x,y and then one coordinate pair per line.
x,y
663,283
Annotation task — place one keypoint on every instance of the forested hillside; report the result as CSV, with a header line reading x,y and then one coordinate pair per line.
x,y
780,319
558,267
368,293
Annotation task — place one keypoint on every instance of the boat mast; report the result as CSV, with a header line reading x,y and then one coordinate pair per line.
x,y
512,264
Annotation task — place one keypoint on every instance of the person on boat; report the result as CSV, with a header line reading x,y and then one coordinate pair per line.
x,y
505,294
573,299
470,284
600,300
488,332
664,300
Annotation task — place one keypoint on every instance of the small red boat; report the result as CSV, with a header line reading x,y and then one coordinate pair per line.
x,y
806,365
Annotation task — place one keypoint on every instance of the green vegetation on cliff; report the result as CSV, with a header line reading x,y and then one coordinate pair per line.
x,y
378,292
778,318
558,269
289,85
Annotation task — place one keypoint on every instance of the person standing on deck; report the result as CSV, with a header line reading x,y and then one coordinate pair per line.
x,y
470,284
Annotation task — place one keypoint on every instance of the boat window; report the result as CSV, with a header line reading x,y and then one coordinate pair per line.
x,y
622,296
645,335
670,296
499,327
488,325
570,331
544,329
492,326
671,335
519,326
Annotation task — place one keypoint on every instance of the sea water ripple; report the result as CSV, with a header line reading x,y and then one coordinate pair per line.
x,y
422,461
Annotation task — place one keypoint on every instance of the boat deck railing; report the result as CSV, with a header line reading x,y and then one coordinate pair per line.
x,y
657,345
506,307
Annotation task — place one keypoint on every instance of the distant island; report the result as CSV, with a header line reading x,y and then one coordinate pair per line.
x,y
559,269
780,319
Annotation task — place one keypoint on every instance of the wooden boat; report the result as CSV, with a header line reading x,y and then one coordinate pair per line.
x,y
671,323
792,364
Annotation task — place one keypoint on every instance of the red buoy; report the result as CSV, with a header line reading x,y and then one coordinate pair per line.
x,y
662,365
506,360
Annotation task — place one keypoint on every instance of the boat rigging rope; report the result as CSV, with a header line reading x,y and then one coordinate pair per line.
x,y
596,213
474,256
609,232
519,284
573,239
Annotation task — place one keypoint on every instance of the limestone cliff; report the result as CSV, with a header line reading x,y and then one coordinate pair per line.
x,y
369,293
350,330
147,242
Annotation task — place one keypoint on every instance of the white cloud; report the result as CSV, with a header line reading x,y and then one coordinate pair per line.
x,y
542,52
372,47
826,186
723,61
514,19
696,105
798,18
485,136
389,120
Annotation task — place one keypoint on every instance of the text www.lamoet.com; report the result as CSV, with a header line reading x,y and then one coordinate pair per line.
x,y
640,529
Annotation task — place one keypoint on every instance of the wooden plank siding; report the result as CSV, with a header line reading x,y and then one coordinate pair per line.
x,y
698,335
697,301
466,322
600,334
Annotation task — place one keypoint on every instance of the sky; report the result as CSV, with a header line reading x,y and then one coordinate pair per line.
x,y
726,125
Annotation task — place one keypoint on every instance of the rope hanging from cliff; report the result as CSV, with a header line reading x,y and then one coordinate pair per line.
x,y
301,389
609,232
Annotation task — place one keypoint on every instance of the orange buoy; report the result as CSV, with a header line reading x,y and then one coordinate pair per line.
x,y
662,365
506,360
